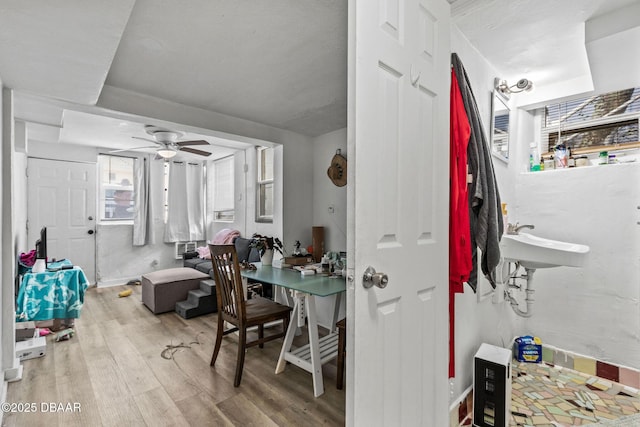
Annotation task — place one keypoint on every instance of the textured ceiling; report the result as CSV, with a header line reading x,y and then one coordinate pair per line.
x,y
281,63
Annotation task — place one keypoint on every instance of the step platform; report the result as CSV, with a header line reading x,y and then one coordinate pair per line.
x,y
199,301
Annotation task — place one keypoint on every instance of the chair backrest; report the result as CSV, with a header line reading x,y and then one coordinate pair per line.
x,y
229,289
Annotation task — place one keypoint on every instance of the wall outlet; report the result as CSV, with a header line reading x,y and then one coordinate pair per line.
x,y
332,209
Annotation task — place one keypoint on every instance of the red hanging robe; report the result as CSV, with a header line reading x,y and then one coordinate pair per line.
x,y
459,227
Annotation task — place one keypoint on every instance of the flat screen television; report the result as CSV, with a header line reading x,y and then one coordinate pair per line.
x,y
41,244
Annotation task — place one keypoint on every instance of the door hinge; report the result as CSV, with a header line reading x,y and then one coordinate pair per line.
x,y
245,167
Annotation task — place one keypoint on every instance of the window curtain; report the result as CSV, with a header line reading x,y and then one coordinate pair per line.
x,y
185,215
142,223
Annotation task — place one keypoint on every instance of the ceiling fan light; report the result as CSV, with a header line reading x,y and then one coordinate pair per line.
x,y
166,153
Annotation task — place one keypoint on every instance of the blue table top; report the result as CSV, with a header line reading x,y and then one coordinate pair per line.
x,y
319,285
51,295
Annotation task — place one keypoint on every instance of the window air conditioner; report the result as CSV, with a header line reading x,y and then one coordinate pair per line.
x,y
182,247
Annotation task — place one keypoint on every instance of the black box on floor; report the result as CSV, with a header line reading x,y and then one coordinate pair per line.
x,y
491,386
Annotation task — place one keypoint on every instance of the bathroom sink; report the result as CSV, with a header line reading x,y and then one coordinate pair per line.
x,y
537,252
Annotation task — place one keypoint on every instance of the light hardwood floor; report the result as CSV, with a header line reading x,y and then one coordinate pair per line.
x,y
114,369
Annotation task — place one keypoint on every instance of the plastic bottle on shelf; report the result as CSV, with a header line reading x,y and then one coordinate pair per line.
x,y
534,158
324,263
549,163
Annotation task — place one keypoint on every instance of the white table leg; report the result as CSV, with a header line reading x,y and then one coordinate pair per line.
x,y
288,339
316,363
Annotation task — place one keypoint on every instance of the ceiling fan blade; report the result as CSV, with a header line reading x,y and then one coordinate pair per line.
x,y
132,149
145,139
194,151
194,142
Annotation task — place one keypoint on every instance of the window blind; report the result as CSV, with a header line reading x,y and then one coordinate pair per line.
x,y
606,119
223,184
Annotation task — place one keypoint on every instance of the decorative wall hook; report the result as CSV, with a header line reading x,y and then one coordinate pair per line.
x,y
337,172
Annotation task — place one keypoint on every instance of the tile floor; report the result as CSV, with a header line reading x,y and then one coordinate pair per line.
x,y
546,395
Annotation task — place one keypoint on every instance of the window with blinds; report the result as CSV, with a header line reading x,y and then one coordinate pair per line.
x,y
223,190
606,120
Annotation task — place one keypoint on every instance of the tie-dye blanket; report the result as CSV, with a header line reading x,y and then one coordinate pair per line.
x,y
51,295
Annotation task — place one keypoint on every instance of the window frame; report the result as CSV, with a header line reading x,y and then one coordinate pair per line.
x,y
226,215
102,197
263,184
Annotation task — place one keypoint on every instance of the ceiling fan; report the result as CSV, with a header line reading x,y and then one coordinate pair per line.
x,y
167,142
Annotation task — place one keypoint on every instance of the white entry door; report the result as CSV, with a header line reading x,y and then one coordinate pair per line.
x,y
399,76
62,197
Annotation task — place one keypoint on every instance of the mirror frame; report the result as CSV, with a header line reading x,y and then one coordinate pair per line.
x,y
499,100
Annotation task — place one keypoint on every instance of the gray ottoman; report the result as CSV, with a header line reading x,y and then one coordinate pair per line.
x,y
163,288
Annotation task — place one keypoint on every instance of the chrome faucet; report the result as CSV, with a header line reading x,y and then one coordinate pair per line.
x,y
515,228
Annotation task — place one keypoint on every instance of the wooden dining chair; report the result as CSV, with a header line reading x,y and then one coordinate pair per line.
x,y
234,309
342,351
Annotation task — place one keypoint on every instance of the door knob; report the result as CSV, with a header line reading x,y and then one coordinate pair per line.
x,y
90,232
90,218
371,278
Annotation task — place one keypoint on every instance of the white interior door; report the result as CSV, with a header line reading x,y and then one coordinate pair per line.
x,y
62,197
398,212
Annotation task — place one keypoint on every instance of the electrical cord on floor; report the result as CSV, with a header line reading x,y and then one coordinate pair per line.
x,y
171,349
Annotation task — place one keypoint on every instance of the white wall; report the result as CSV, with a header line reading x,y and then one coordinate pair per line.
x,y
118,261
597,305
7,346
297,164
326,194
11,369
20,184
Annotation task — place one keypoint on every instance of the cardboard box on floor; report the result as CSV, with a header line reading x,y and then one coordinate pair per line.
x,y
26,330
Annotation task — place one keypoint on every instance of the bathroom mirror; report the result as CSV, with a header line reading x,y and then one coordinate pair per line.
x,y
499,127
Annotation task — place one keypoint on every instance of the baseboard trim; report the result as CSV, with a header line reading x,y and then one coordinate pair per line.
x,y
115,282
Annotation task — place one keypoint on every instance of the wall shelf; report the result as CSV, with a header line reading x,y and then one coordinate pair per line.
x,y
598,149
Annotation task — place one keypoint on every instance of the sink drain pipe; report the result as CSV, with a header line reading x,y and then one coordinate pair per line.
x,y
515,305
